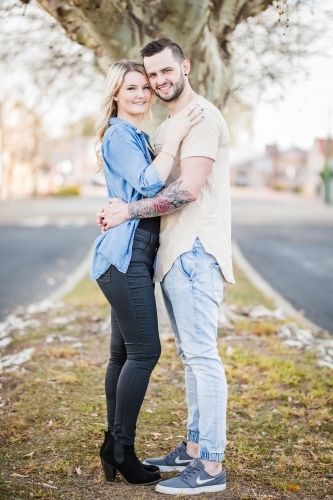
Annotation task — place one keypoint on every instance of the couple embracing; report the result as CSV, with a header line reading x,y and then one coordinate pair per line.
x,y
168,221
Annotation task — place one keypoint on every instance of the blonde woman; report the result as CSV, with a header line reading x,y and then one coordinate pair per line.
x,y
124,258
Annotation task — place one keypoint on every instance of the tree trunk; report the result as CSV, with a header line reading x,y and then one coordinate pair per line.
x,y
118,29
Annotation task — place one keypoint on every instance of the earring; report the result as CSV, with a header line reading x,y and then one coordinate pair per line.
x,y
185,74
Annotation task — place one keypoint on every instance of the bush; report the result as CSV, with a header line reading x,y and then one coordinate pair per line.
x,y
69,191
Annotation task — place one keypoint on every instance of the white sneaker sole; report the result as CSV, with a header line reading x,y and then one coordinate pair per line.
x,y
190,491
167,468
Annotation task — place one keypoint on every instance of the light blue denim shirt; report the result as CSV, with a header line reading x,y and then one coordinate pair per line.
x,y
130,175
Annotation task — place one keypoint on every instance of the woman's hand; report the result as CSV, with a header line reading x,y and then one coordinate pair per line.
x,y
113,214
187,118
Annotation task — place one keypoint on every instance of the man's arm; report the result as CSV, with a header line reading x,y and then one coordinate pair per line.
x,y
186,189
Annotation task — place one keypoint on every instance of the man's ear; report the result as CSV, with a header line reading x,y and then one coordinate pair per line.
x,y
186,67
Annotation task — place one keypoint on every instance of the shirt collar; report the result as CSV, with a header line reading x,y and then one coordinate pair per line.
x,y
113,120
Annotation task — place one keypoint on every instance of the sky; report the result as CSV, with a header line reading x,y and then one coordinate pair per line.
x,y
304,112
303,115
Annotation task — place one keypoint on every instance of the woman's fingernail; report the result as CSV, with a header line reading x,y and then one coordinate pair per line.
x,y
202,117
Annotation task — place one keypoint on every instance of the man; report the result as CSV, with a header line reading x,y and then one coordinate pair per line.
x,y
193,258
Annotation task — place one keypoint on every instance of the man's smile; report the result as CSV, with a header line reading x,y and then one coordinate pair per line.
x,y
164,87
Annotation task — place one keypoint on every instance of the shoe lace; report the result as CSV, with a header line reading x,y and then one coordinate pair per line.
x,y
176,451
189,471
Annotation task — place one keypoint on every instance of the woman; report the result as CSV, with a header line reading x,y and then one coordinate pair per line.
x,y
124,257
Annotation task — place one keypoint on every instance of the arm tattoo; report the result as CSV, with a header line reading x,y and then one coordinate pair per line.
x,y
168,200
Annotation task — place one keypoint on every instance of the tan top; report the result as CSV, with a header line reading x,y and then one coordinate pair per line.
x,y
209,217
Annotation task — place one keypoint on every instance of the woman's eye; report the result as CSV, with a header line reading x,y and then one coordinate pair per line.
x,y
146,88
131,88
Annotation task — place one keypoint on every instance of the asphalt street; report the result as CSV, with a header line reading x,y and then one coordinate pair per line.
x,y
35,260
42,241
297,262
286,238
289,241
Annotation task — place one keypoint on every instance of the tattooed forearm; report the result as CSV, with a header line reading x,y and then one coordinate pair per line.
x,y
168,200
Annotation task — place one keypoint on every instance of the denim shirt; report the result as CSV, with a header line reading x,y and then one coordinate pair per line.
x,y
130,175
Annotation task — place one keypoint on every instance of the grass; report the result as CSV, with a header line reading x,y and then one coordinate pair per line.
x,y
280,418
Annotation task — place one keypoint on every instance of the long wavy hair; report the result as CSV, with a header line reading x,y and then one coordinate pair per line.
x,y
114,81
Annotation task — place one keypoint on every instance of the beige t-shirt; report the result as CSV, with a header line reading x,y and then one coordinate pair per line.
x,y
209,217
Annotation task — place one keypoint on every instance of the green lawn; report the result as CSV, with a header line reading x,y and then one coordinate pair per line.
x,y
280,418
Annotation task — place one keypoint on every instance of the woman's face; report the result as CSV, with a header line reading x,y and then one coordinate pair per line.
x,y
134,96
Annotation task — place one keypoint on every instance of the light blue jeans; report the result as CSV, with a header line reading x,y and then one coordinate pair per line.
x,y
192,291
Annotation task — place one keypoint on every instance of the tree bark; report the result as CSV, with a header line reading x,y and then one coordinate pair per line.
x,y
118,29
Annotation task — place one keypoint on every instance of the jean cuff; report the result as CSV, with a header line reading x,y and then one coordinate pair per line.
x,y
210,455
193,436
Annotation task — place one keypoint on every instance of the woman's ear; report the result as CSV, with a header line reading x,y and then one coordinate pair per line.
x,y
115,98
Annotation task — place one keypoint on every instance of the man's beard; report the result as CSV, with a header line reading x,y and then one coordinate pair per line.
x,y
178,89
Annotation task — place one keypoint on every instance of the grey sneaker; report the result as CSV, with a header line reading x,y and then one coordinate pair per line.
x,y
192,481
178,459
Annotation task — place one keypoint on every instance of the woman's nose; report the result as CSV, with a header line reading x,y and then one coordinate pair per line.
x,y
140,93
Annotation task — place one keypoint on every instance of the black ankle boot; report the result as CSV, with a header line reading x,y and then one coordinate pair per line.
x,y
122,457
110,475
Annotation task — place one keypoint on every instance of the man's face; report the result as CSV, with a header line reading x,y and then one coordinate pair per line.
x,y
165,75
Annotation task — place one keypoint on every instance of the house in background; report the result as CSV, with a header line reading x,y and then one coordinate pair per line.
x,y
284,170
289,170
33,164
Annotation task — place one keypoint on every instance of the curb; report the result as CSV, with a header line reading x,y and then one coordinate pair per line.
x,y
74,278
261,284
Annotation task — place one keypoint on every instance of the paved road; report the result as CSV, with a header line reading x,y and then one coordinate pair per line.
x,y
48,241
297,261
34,261
289,241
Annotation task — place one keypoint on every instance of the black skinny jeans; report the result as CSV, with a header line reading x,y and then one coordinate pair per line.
x,y
135,344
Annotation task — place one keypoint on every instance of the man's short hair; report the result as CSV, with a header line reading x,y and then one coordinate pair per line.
x,y
157,46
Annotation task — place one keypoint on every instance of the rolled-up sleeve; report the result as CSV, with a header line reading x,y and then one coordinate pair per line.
x,y
122,154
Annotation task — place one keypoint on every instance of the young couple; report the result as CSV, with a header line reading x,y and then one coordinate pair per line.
x,y
170,205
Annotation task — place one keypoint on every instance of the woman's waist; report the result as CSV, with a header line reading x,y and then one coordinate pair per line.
x,y
151,224
148,238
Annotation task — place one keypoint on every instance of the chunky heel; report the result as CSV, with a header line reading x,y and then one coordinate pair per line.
x,y
107,468
122,457
109,471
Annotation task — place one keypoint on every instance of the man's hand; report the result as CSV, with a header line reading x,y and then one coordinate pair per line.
x,y
112,215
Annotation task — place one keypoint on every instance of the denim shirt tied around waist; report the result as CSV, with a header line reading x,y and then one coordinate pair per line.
x,y
130,175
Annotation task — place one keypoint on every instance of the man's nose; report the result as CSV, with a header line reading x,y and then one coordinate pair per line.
x,y
160,79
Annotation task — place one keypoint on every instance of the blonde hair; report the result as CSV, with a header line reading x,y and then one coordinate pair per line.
x,y
114,81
